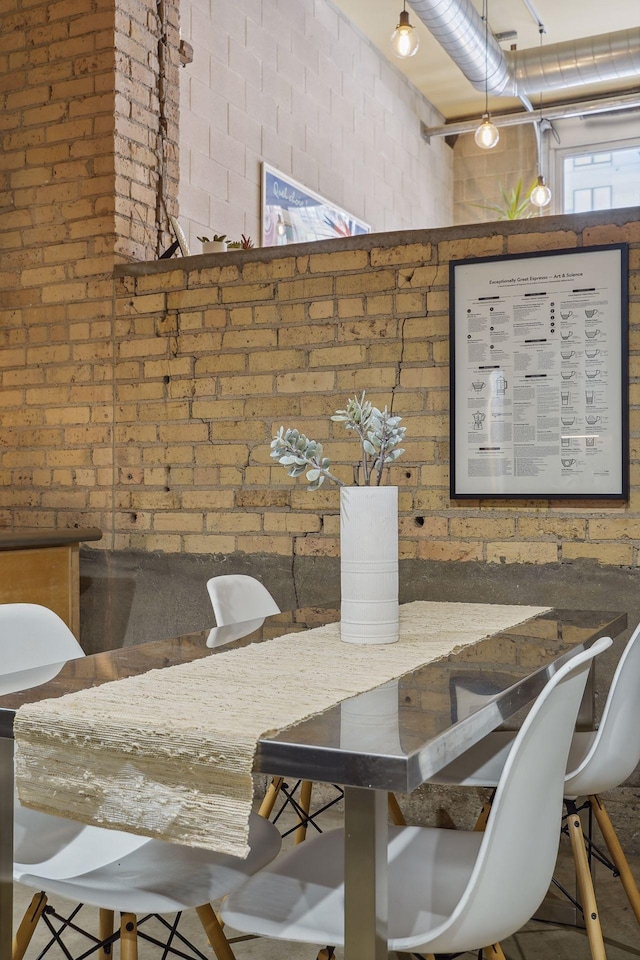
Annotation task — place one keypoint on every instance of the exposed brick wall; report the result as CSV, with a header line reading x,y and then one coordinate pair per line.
x,y
79,88
213,354
297,84
146,125
154,422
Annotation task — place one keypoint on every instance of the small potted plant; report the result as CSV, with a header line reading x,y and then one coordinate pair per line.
x,y
217,245
246,243
368,516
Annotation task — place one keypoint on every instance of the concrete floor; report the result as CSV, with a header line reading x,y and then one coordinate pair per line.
x,y
535,941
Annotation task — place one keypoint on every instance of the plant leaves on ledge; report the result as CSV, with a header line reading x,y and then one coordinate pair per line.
x,y
379,433
515,205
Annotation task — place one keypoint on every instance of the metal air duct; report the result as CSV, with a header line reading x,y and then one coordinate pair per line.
x,y
459,29
575,63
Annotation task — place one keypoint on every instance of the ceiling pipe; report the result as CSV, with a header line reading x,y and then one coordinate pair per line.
x,y
535,15
459,29
575,63
578,108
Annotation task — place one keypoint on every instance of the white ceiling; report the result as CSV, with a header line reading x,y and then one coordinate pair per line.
x,y
435,74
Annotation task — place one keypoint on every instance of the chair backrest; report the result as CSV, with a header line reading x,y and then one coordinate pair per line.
x,y
615,751
237,598
520,845
34,642
240,604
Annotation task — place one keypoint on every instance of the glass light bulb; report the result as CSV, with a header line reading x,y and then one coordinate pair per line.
x,y
404,39
541,194
487,134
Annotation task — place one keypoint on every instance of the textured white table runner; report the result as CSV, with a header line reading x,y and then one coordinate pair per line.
x,y
170,753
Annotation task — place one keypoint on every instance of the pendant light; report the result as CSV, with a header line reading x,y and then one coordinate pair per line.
x,y
540,196
404,39
487,134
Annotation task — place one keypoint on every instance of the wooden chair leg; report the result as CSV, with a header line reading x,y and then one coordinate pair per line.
x,y
28,924
397,816
270,797
105,930
214,932
481,822
305,804
494,952
128,937
617,854
585,886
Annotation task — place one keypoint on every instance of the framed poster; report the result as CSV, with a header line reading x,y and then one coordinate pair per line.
x,y
539,372
291,213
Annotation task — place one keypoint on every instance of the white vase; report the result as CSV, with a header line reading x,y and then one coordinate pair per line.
x,y
370,721
214,246
369,564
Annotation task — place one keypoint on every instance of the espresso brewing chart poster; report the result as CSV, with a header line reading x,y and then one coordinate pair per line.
x,y
539,375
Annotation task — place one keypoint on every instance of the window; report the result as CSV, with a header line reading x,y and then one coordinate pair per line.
x,y
591,198
600,180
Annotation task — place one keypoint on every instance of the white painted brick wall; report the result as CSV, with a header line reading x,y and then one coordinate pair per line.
x,y
294,83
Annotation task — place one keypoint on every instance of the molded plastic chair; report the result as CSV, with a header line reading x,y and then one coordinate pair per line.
x,y
240,604
35,643
598,760
155,878
449,891
110,869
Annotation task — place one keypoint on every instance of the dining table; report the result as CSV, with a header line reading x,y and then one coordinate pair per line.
x,y
428,717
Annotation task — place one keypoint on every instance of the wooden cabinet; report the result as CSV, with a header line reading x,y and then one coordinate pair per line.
x,y
43,566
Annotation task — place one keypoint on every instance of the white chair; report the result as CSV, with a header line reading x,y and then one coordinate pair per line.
x,y
153,879
35,643
598,761
240,605
109,869
449,891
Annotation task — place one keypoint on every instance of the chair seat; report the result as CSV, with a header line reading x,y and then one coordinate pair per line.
x,y
582,777
156,877
300,896
482,765
59,848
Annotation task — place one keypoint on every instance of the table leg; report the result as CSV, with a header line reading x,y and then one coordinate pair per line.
x,y
366,894
6,847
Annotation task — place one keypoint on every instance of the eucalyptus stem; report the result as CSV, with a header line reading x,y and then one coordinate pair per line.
x,y
379,434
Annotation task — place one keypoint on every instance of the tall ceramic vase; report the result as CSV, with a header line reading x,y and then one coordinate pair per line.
x,y
370,721
369,564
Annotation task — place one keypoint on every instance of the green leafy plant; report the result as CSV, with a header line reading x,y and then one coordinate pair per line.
x,y
378,431
246,243
515,205
217,238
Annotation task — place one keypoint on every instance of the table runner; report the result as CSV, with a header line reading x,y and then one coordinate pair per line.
x,y
169,753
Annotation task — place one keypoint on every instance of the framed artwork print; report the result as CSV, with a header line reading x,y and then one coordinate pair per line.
x,y
291,213
539,375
